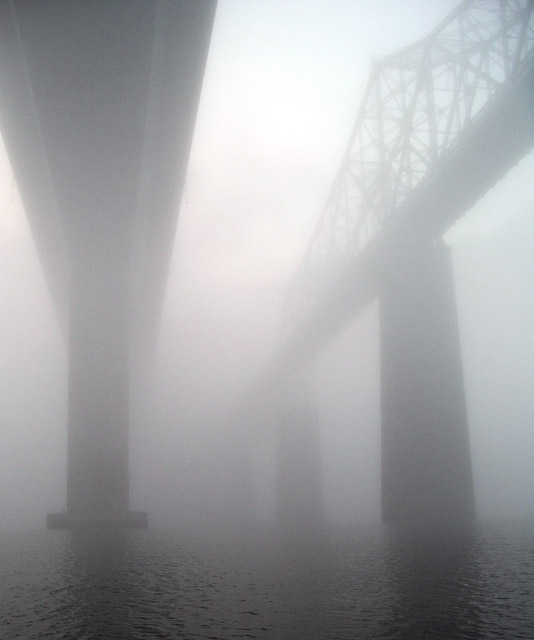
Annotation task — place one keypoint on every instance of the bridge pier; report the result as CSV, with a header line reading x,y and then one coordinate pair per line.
x,y
99,373
300,507
96,159
426,462
99,348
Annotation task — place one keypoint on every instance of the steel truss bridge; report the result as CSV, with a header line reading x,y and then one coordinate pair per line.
x,y
441,122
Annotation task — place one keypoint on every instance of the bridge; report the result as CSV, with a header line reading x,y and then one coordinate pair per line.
x,y
97,104
440,123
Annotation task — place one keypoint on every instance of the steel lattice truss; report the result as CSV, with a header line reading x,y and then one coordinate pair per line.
x,y
418,104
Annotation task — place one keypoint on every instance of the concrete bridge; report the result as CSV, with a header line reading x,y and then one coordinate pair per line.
x,y
97,103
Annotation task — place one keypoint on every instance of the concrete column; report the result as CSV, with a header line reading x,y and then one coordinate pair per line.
x,y
426,462
99,373
97,479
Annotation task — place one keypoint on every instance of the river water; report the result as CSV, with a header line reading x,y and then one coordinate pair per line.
x,y
352,584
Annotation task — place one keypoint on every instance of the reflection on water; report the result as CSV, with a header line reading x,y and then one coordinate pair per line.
x,y
436,584
102,593
136,584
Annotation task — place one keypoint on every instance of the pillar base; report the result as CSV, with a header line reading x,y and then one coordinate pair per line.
x,y
72,521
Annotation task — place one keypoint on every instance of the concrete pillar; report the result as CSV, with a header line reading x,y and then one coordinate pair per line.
x,y
97,479
426,462
99,374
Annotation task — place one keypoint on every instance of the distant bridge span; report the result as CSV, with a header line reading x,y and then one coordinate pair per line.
x,y
441,122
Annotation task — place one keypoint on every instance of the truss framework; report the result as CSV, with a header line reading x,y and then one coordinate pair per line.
x,y
418,103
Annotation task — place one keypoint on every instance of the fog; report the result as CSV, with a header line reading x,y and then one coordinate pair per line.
x,y
281,91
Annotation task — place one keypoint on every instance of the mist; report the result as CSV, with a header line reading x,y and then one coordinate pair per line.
x,y
254,187
218,447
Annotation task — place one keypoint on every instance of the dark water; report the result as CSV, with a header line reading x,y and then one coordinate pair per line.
x,y
150,584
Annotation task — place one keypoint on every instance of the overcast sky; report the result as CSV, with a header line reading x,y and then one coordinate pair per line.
x,y
283,83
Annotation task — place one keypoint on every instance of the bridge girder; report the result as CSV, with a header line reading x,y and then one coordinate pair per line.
x,y
420,106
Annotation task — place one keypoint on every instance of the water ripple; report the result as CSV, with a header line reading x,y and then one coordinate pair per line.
x,y
146,585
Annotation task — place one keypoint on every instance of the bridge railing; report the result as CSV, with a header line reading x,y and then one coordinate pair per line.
x,y
418,103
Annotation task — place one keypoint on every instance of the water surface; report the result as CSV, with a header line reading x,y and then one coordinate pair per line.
x,y
352,584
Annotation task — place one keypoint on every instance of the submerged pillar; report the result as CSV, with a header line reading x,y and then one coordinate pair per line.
x,y
426,461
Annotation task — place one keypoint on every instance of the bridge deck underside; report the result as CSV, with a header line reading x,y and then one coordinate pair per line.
x,y
97,108
97,103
